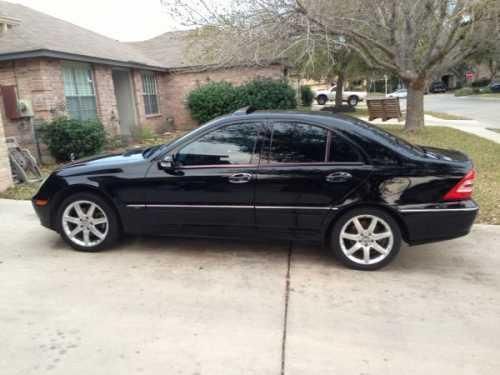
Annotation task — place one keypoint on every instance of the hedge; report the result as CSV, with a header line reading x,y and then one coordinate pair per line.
x,y
219,98
67,138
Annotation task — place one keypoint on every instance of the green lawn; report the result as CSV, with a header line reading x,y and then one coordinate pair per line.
x,y
446,116
486,156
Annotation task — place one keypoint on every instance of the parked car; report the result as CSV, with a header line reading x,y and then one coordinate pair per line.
x,y
495,86
352,98
438,87
332,179
401,93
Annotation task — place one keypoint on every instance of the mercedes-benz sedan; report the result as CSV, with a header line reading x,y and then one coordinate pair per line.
x,y
336,180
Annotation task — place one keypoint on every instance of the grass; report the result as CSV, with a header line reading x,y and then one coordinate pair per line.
x,y
446,116
490,95
484,153
27,190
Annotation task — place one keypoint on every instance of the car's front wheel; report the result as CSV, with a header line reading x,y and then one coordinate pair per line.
x,y
366,239
87,222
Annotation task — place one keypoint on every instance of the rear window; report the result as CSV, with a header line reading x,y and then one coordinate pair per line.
x,y
390,137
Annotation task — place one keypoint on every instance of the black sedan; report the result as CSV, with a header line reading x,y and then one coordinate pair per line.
x,y
336,180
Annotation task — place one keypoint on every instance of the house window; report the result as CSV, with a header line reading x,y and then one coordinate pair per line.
x,y
79,91
150,93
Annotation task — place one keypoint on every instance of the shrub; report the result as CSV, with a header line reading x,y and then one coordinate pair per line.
x,y
306,95
267,94
481,82
466,91
219,98
212,100
65,137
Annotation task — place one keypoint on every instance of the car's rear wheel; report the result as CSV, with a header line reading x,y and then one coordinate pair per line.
x,y
366,239
87,222
322,99
353,101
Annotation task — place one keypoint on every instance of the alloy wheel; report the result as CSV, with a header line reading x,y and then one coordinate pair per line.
x,y
85,223
366,239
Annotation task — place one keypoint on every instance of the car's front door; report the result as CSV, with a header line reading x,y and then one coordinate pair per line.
x,y
305,171
211,188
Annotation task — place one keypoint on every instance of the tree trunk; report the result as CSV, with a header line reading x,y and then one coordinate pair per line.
x,y
415,105
339,92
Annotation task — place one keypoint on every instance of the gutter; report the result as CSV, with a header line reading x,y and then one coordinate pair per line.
x,y
79,58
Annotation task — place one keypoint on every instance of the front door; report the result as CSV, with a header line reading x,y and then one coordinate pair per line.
x,y
305,171
124,101
211,189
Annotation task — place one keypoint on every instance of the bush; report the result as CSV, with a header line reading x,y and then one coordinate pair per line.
x,y
466,91
219,98
212,100
306,95
481,82
65,137
267,94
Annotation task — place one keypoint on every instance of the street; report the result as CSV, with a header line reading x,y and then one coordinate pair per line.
x,y
484,110
181,306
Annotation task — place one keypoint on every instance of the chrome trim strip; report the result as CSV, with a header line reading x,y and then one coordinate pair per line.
x,y
439,210
228,206
193,206
295,208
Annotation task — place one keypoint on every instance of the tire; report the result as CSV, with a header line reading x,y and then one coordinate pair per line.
x,y
322,99
353,101
345,226
103,221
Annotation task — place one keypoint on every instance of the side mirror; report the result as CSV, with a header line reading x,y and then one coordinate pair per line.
x,y
167,163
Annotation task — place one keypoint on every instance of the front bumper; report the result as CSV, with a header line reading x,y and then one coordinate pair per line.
x,y
432,223
43,213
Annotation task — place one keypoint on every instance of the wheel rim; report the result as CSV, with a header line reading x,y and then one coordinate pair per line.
x,y
366,239
353,102
85,223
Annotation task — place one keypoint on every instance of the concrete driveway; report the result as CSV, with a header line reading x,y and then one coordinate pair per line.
x,y
172,306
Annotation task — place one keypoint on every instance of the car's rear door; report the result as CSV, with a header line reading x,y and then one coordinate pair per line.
x,y
306,171
212,187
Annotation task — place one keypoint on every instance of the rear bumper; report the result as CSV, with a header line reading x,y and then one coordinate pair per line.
x,y
432,223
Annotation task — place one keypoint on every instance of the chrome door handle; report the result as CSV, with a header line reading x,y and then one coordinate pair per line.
x,y
240,178
338,177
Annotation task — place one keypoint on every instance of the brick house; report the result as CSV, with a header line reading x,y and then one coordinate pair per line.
x,y
62,69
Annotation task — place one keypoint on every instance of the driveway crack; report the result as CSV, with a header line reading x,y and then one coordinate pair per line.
x,y
285,313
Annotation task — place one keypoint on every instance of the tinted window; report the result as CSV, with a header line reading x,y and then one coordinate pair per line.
x,y
297,143
232,144
342,151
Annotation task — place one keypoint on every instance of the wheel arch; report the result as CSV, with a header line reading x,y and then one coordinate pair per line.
x,y
80,188
332,219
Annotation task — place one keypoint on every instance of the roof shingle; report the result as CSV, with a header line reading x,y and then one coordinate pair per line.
x,y
39,32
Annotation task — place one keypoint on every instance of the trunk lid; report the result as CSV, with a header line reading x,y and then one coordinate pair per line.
x,y
444,154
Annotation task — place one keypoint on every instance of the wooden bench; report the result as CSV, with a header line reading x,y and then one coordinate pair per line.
x,y
384,109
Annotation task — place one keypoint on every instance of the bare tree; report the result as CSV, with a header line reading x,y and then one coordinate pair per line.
x,y
410,38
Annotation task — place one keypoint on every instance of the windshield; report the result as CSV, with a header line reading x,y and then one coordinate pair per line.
x,y
160,148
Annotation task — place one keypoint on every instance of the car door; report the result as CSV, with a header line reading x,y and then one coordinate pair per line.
x,y
306,170
211,188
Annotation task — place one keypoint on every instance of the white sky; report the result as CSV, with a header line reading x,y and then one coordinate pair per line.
x,y
126,20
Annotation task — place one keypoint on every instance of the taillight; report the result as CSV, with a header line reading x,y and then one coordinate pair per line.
x,y
462,190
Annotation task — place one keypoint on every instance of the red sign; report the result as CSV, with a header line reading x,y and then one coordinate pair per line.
x,y
469,76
